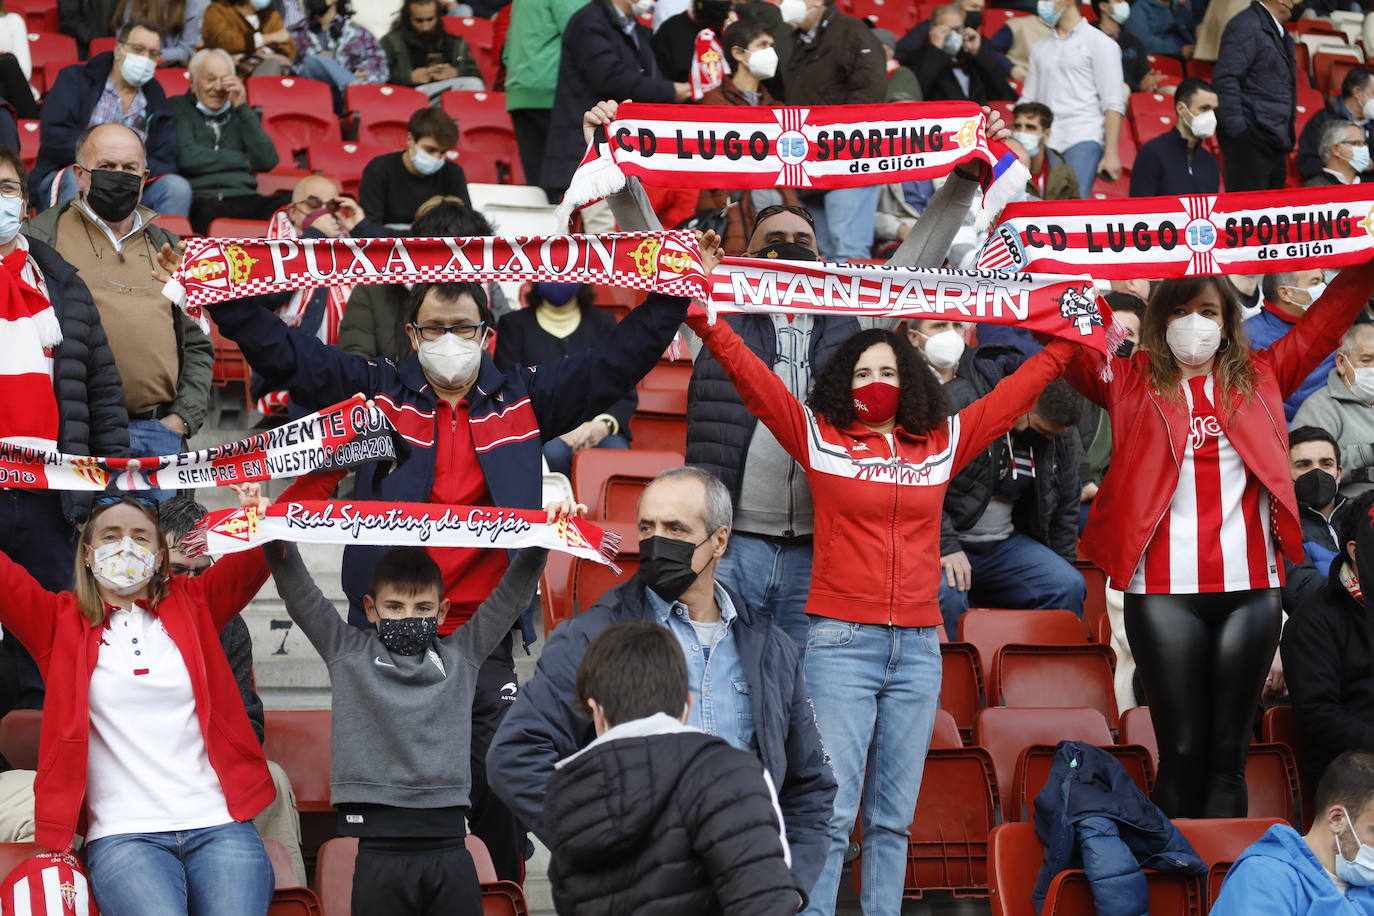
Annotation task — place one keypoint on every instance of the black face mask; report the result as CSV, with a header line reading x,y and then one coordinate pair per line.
x,y
1126,349
113,195
407,635
665,565
973,19
787,251
1315,489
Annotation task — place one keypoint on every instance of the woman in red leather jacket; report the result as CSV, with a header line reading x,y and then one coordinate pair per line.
x,y
1196,514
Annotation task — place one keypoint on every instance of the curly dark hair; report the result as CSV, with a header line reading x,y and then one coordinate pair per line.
x,y
922,406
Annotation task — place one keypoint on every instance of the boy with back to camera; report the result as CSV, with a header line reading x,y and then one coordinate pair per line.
x,y
402,708
655,815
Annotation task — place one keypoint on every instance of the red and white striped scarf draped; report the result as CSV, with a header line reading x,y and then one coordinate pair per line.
x,y
708,59
29,335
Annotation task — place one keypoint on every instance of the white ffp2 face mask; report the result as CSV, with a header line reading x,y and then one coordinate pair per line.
x,y
450,361
944,349
1203,124
123,567
1193,339
792,12
763,63
1362,385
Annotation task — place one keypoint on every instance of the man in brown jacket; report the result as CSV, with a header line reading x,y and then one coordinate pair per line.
x,y
838,61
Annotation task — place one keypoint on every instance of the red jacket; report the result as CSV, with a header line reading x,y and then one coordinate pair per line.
x,y
878,521
1150,432
66,646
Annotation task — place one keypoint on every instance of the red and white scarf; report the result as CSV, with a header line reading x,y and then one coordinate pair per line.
x,y
832,146
29,335
338,437
708,59
393,524
1160,237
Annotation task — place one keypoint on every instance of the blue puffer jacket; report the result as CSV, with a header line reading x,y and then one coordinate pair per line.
x,y
511,414
1092,815
1263,329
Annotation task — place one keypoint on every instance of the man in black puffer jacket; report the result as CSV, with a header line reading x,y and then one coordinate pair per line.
x,y
655,815
38,527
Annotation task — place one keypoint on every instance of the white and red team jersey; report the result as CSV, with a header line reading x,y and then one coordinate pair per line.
x,y
1216,535
47,884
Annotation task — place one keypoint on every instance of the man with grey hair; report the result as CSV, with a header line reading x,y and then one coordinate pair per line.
x,y
1344,152
1286,297
745,675
221,144
1344,407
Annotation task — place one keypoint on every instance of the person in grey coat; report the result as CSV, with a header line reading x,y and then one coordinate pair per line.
x,y
1344,407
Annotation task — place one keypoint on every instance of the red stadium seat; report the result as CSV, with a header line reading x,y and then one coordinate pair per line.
x,y
503,898
1005,732
175,81
668,375
476,108
1271,779
334,875
298,740
1339,69
39,15
945,735
660,422
226,228
344,162
1069,676
1138,728
553,590
19,731
1170,66
948,845
1219,842
1280,726
489,154
296,112
378,109
1199,69
1014,857
230,368
294,901
177,225
1035,763
609,481
270,183
588,580
1095,603
50,52
478,33
101,45
992,628
1070,895
1113,190
1326,58
481,859
994,19
894,15
28,143
961,684
1151,114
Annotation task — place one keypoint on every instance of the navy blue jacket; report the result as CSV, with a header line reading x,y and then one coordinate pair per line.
x,y
1263,329
1092,815
1164,29
1310,161
1167,165
719,426
67,110
543,727
1256,80
510,414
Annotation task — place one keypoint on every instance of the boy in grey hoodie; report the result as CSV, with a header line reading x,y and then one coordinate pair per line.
x,y
402,709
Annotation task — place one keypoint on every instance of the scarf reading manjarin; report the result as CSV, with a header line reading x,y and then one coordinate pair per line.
x,y
1159,237
831,146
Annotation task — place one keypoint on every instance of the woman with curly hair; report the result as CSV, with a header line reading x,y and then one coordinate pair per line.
x,y
879,448
1194,512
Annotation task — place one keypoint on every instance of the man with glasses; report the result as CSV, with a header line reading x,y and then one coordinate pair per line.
x,y
1345,154
476,435
221,144
164,358
112,88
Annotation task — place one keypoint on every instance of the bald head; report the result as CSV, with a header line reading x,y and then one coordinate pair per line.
x,y
111,146
316,186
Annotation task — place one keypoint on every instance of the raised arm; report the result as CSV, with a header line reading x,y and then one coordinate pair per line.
x,y
29,611
315,614
759,387
494,617
993,414
1318,332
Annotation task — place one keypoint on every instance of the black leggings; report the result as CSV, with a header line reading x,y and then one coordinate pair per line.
x,y
1202,660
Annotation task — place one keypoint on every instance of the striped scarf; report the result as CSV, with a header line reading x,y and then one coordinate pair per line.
x,y
29,334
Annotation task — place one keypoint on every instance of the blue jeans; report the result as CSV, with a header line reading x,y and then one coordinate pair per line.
x,y
213,871
771,578
875,690
149,438
1083,158
844,222
170,194
327,70
560,456
1020,572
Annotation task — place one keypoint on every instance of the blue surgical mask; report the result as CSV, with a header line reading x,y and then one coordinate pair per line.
x,y
1360,872
213,112
1359,158
1046,11
424,163
261,4
11,215
137,69
1120,11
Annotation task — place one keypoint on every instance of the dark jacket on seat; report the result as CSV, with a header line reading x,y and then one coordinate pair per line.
x,y
542,726
1092,815
671,823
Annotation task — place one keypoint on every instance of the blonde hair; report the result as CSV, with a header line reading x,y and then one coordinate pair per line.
x,y
87,590
1234,368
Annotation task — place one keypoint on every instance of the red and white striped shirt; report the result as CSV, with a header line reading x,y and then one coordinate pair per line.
x,y
1216,535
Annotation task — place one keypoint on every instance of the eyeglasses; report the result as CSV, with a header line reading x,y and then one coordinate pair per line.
x,y
112,499
11,189
142,50
775,209
182,569
432,332
313,203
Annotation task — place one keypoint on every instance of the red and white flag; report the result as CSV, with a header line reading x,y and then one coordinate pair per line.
x,y
47,884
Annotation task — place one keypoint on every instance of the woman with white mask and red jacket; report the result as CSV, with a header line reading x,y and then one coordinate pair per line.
x,y
1196,513
878,447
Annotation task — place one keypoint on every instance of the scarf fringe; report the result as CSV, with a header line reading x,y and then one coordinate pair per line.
x,y
608,548
594,181
1004,187
49,328
195,541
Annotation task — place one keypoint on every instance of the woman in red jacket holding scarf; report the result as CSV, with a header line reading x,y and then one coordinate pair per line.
x,y
879,449
1194,512
144,730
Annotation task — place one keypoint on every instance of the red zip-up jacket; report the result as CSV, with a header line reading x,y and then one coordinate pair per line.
x,y
65,645
877,533
1150,432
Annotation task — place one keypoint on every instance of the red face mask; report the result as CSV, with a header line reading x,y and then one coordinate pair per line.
x,y
876,402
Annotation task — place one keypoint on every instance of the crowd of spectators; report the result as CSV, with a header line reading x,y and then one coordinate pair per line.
x,y
814,675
